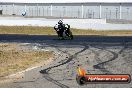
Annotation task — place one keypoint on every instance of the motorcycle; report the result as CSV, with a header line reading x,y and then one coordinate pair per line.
x,y
64,34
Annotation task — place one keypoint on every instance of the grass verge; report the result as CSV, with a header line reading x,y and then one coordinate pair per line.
x,y
50,31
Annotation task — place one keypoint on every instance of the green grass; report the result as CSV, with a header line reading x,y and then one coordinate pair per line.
x,y
50,31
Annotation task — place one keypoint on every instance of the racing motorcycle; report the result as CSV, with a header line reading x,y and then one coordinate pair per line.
x,y
64,31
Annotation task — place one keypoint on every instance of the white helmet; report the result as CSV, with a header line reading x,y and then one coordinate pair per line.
x,y
60,22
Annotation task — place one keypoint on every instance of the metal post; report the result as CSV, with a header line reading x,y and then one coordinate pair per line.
x,y
93,15
47,12
25,8
6,10
106,13
32,12
78,13
51,10
116,13
110,14
43,11
37,9
127,13
13,8
100,11
82,10
25,11
88,14
29,11
64,12
120,11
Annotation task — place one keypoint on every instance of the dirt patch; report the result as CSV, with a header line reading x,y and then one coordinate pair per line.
x,y
14,58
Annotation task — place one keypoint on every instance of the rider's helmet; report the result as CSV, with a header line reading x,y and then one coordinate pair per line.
x,y
60,22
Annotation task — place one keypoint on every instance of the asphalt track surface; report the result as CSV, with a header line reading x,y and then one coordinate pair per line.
x,y
97,54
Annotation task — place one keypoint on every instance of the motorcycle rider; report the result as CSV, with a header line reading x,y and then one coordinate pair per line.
x,y
61,29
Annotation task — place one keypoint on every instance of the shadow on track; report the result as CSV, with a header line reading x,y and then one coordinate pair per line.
x,y
54,39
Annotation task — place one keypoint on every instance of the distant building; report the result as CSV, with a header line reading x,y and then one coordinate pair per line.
x,y
92,9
